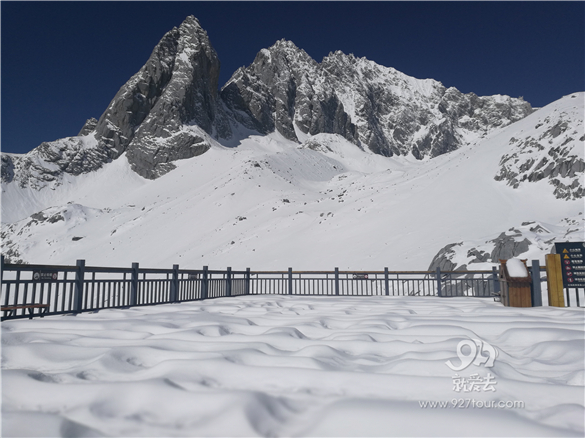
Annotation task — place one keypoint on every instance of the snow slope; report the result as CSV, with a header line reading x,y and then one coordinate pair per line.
x,y
270,203
294,366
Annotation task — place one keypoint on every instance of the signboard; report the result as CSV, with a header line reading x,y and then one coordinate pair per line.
x,y
360,276
45,275
573,263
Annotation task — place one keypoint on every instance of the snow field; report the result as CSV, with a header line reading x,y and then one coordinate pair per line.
x,y
292,366
346,208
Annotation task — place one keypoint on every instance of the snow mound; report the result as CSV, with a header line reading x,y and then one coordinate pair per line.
x,y
516,268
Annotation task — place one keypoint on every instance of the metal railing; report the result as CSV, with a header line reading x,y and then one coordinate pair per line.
x,y
372,283
39,290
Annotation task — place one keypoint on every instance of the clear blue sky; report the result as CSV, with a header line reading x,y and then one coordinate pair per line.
x,y
62,62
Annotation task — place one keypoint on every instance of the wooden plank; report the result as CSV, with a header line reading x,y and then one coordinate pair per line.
x,y
554,280
24,306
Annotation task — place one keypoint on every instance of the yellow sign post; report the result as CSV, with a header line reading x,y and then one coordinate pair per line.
x,y
554,276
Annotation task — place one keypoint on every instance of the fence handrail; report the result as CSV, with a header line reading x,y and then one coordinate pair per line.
x,y
27,267
368,272
112,269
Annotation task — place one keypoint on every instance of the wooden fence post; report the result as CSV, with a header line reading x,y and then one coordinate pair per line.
x,y
290,281
134,285
386,282
439,288
554,279
336,281
228,282
79,280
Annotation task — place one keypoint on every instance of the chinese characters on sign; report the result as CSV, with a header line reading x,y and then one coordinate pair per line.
x,y
45,276
572,262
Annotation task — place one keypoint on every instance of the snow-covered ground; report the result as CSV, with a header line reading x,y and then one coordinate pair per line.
x,y
297,366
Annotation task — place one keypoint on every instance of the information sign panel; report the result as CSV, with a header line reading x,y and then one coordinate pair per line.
x,y
45,275
573,263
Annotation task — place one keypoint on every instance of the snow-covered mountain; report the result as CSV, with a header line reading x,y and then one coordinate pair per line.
x,y
295,163
166,111
372,106
551,150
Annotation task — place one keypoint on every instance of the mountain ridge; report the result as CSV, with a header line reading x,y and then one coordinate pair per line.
x,y
151,117
361,166
273,203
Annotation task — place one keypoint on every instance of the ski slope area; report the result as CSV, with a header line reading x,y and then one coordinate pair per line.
x,y
270,203
295,366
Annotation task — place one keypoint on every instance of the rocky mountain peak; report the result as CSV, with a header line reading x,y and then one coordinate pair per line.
x,y
286,46
191,24
171,108
340,58
193,39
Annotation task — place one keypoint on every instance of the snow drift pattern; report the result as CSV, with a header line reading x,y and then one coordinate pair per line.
x,y
291,366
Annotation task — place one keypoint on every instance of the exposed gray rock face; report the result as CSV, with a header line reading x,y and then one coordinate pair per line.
x,y
378,107
551,151
279,91
171,110
133,102
167,111
507,247
8,167
177,88
45,165
444,257
89,126
529,238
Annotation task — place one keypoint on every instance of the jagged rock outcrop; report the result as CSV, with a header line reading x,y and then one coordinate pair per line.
x,y
284,89
8,161
150,116
552,150
516,242
171,109
45,165
508,246
444,258
167,111
89,126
